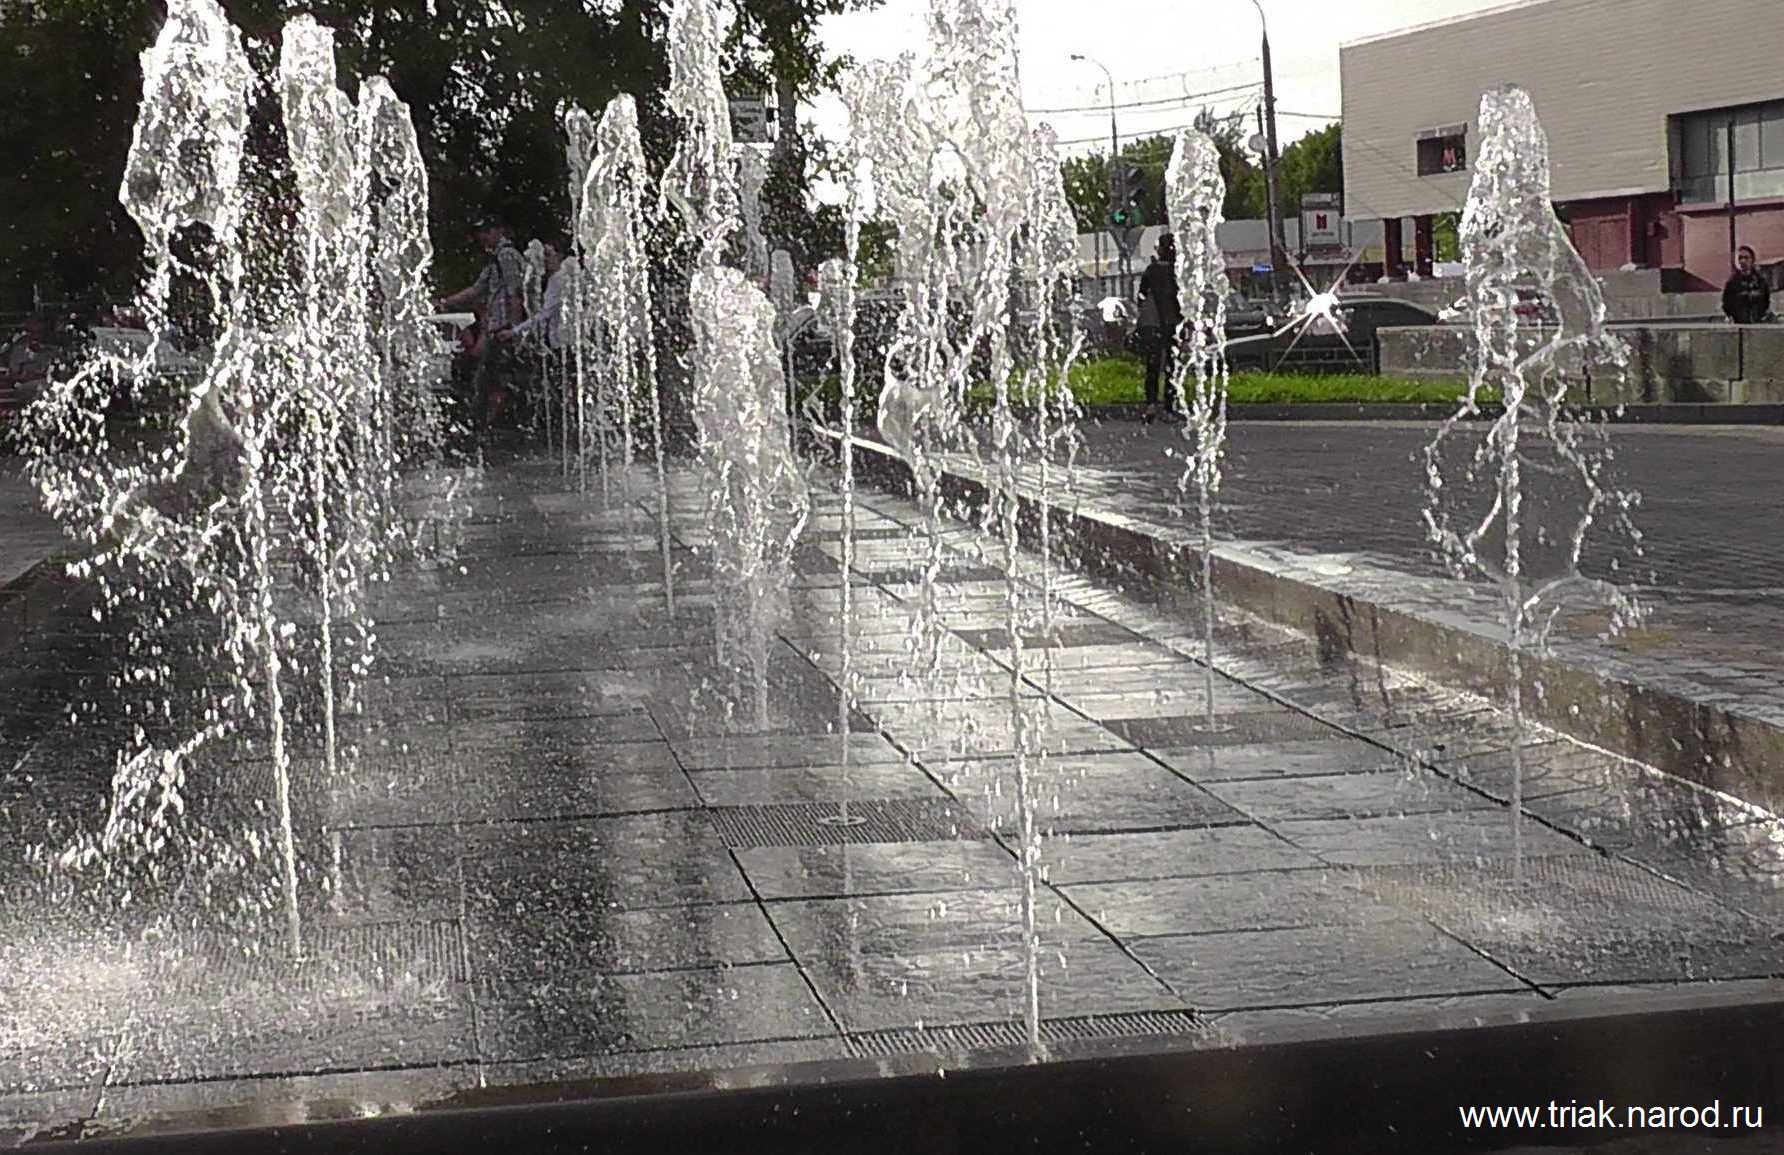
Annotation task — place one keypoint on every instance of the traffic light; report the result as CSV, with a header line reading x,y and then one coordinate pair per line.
x,y
1130,208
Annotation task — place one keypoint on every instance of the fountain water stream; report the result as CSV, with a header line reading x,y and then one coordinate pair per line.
x,y
1195,192
312,387
1511,239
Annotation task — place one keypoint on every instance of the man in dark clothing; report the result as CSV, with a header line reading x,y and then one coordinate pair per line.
x,y
1747,299
1160,315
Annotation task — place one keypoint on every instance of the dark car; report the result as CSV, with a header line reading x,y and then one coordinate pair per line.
x,y
1320,346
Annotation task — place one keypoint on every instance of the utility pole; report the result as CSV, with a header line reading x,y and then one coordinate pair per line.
x,y
1267,113
1733,247
1117,175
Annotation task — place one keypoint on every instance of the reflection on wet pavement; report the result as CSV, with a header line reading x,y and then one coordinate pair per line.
x,y
553,852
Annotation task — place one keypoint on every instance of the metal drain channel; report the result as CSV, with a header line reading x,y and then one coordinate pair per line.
x,y
885,820
994,1036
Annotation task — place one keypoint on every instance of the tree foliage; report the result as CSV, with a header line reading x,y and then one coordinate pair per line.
x,y
486,84
1312,164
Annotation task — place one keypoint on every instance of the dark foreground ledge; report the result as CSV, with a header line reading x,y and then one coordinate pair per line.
x,y
1351,1091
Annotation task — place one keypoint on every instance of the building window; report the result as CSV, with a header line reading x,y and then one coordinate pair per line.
x,y
1443,150
1702,153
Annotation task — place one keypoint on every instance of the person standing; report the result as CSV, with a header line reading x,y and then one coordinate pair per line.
x,y
547,323
1747,299
497,295
546,327
1161,314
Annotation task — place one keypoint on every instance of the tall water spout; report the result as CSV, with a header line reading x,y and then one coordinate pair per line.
x,y
1511,239
701,180
611,232
756,503
580,147
188,520
1195,192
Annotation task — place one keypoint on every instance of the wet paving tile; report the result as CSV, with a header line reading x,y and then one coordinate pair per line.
x,y
908,960
877,868
731,1065
265,1030
594,1014
1270,900
1087,794
37,1115
383,874
624,716
1160,701
1246,728
626,863
505,947
557,792
1349,796
1422,838
1065,637
742,752
286,1101
1584,918
1436,1012
1335,754
1317,965
1082,858
760,787
487,737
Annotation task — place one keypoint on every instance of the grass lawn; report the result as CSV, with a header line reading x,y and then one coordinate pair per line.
x,y
1121,381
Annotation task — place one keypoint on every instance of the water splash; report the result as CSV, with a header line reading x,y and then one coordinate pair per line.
x,y
752,175
1511,239
580,148
1194,192
701,180
611,231
756,500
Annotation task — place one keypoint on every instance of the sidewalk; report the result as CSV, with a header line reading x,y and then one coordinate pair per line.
x,y
27,534
556,855
1338,507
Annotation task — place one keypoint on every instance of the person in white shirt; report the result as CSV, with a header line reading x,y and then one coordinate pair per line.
x,y
547,322
547,327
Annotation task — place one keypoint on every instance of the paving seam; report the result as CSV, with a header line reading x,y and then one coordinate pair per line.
x,y
1411,637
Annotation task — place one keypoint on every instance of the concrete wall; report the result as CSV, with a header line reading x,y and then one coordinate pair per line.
x,y
1606,76
1667,363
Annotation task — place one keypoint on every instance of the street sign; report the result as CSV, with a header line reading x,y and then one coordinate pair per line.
x,y
1257,143
1261,269
1321,222
751,120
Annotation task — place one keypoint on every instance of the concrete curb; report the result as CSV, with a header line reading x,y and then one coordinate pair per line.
x,y
1699,741
1672,413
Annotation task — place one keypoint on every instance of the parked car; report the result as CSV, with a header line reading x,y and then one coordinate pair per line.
x,y
1532,306
1318,346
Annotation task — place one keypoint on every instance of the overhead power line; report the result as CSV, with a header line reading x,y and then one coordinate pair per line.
x,y
1163,100
1143,133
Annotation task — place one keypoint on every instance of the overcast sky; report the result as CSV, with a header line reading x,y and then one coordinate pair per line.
x,y
1160,50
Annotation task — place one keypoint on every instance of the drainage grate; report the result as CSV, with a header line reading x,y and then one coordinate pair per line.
x,y
994,1036
884,820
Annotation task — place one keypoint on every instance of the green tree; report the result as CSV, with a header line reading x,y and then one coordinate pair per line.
x,y
486,84
774,47
1313,164
1087,183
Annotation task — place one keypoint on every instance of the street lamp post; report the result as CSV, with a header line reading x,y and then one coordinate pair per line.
x,y
1278,244
1117,175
